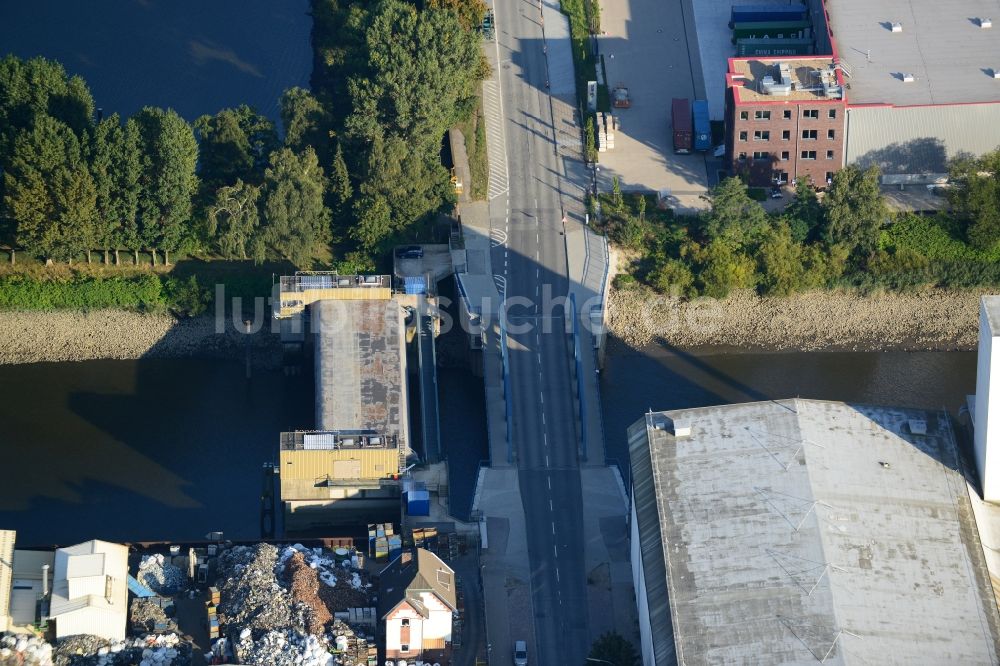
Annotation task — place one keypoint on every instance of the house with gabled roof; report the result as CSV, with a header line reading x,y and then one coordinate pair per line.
x,y
417,600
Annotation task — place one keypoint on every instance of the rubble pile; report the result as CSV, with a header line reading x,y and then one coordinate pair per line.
x,y
159,575
283,648
24,651
303,582
252,598
348,591
149,617
153,650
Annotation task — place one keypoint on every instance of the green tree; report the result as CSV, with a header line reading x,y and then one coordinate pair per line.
x,y
734,216
35,87
168,181
470,12
723,268
340,181
616,193
295,220
780,257
804,212
234,221
613,648
234,145
374,221
115,163
305,121
975,197
854,210
590,140
49,191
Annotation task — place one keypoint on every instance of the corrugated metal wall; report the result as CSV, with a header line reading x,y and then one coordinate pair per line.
x,y
919,139
311,465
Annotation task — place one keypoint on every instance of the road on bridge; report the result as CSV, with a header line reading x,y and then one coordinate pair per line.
x,y
529,259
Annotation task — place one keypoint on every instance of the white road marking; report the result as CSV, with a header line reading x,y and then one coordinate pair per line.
x,y
555,551
557,574
553,529
551,508
546,460
549,479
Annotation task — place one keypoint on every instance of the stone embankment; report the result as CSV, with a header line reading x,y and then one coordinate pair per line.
x,y
32,337
814,321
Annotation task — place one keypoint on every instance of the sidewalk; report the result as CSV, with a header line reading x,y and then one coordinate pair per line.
x,y
610,594
506,569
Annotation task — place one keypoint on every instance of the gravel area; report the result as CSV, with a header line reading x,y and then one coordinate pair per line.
x,y
927,320
33,337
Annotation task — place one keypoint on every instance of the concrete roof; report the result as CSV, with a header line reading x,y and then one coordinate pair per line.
x,y
991,306
941,44
800,531
360,381
803,72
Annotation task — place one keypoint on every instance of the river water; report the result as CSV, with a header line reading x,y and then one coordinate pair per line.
x,y
194,56
173,449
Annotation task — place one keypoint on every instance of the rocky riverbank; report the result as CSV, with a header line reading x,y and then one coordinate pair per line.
x,y
32,337
929,320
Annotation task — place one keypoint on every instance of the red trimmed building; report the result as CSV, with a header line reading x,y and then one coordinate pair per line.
x,y
787,119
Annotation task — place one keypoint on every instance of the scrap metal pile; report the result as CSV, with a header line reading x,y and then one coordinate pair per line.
x,y
153,650
160,576
274,611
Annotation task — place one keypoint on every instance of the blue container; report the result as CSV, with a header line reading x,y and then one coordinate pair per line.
x,y
415,285
418,503
760,13
702,126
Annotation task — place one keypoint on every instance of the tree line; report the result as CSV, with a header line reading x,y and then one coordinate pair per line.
x,y
358,162
848,236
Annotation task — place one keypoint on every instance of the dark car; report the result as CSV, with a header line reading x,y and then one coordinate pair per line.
x,y
410,252
776,193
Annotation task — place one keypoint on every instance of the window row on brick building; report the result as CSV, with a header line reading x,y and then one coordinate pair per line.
x,y
812,114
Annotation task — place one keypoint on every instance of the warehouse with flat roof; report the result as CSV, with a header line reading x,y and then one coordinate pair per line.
x,y
805,531
921,83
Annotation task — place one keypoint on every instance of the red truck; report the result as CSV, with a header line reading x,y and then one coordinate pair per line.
x,y
681,120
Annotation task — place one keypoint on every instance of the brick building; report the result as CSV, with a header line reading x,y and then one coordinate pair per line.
x,y
787,119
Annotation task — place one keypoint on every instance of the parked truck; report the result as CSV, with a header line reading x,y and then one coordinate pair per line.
x,y
681,121
702,125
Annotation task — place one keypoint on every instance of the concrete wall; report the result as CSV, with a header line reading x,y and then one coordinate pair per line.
x,y
987,425
920,139
92,621
639,582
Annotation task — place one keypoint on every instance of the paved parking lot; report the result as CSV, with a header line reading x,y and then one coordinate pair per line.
x,y
650,46
715,46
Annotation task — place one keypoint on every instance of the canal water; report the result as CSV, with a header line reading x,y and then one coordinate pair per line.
x,y
656,378
194,56
174,449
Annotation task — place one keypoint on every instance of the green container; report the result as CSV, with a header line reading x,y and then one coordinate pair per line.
x,y
772,30
761,48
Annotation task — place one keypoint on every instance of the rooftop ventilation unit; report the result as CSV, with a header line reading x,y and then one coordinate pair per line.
x,y
985,23
782,87
897,27
909,78
682,428
996,73
918,427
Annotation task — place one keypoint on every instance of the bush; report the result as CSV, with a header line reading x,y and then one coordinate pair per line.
x,y
81,292
624,281
186,297
672,277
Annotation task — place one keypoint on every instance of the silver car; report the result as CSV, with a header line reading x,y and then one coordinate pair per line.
x,y
520,653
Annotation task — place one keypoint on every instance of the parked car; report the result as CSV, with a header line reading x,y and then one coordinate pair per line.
x,y
410,252
520,653
776,192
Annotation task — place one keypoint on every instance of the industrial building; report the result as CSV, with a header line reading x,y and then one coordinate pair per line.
x,y
804,531
920,82
353,457
90,590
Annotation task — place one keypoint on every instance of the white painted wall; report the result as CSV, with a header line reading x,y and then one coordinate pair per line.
x,y
987,425
437,626
639,581
91,620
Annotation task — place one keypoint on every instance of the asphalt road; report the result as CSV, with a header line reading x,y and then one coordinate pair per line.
x,y
533,260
